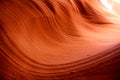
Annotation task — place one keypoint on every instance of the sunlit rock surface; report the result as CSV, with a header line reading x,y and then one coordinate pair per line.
x,y
59,40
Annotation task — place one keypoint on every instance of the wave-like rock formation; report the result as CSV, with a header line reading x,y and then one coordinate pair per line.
x,y
58,40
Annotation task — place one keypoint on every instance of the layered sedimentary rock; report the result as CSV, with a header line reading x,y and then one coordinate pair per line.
x,y
58,40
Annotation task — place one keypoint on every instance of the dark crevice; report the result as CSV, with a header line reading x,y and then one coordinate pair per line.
x,y
49,5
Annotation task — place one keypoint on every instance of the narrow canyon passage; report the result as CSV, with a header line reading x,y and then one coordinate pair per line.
x,y
59,40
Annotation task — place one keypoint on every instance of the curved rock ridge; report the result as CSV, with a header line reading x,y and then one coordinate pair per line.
x,y
58,40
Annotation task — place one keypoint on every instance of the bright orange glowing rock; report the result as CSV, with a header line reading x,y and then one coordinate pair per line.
x,y
58,40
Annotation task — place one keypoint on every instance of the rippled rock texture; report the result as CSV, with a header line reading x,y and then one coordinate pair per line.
x,y
58,40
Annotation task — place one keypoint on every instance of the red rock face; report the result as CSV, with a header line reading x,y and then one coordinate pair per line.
x,y
58,40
